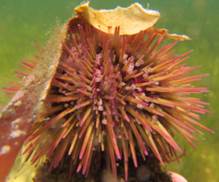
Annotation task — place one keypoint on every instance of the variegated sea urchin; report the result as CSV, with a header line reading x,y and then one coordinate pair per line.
x,y
118,90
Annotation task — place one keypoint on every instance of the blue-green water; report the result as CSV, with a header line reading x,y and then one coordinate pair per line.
x,y
25,25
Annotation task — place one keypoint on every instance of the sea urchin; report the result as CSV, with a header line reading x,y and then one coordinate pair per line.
x,y
117,93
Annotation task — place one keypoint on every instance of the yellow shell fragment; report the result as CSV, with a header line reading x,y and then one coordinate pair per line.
x,y
172,36
131,20
178,37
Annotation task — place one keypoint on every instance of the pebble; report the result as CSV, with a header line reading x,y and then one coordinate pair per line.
x,y
5,149
14,123
17,133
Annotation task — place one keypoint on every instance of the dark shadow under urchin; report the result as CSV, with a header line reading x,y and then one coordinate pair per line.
x,y
149,170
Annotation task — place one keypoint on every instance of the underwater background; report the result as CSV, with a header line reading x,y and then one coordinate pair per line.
x,y
25,25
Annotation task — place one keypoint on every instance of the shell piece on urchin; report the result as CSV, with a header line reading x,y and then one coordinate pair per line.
x,y
108,85
107,20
